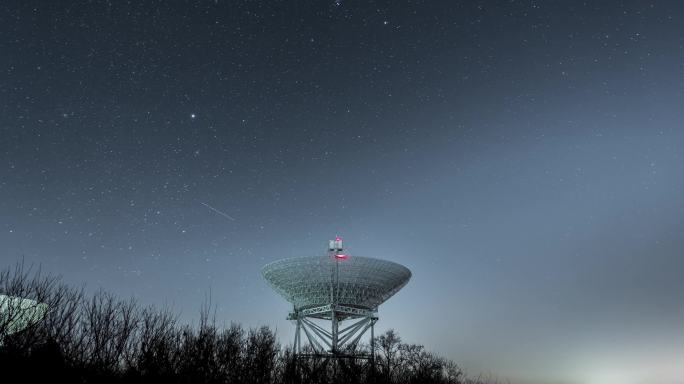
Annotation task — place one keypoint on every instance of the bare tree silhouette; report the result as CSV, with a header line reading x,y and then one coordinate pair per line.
x,y
103,339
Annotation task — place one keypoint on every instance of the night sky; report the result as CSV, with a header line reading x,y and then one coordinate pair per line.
x,y
525,159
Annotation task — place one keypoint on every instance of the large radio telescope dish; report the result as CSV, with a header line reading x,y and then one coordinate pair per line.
x,y
363,282
334,289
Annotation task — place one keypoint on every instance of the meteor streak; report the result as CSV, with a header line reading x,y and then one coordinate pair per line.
x,y
217,211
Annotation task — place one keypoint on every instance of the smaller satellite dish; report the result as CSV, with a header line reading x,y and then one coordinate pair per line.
x,y
17,314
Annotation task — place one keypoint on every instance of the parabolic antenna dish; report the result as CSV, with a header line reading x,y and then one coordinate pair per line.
x,y
364,282
16,314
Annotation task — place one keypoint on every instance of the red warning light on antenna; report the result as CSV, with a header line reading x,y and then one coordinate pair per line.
x,y
341,256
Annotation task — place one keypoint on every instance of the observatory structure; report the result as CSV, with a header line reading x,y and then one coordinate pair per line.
x,y
17,314
335,298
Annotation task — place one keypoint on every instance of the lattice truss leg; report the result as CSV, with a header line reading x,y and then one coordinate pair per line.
x,y
343,335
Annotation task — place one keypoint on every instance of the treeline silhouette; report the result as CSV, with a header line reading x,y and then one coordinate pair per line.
x,y
102,339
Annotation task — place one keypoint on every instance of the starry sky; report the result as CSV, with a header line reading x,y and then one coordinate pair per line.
x,y
523,158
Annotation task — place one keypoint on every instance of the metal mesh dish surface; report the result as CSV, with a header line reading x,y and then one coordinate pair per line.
x,y
363,282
